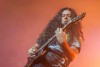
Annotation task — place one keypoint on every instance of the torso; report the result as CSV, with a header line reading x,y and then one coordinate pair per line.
x,y
55,55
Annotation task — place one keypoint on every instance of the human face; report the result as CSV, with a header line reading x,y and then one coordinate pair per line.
x,y
66,16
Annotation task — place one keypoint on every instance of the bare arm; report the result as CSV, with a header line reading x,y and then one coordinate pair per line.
x,y
61,37
71,51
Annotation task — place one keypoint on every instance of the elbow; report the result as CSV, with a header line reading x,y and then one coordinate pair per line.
x,y
72,57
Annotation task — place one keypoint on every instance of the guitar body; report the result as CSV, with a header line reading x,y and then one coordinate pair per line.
x,y
32,61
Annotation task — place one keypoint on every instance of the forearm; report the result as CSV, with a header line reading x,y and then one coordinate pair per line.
x,y
61,37
70,52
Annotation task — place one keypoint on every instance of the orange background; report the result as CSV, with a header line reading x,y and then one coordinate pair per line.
x,y
21,21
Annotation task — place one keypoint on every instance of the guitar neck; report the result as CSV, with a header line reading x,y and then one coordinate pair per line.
x,y
70,21
52,38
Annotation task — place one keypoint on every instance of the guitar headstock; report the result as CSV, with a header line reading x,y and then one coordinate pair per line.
x,y
75,19
78,17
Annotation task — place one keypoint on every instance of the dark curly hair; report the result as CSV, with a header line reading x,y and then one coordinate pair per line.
x,y
74,29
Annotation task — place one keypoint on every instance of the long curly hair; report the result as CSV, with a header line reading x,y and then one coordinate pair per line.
x,y
74,29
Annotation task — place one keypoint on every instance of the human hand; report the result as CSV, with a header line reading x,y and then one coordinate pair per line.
x,y
32,51
60,35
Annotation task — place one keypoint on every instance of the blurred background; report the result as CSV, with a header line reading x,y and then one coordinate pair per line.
x,y
21,22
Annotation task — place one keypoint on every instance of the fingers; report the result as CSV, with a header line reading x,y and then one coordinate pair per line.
x,y
31,51
59,31
60,35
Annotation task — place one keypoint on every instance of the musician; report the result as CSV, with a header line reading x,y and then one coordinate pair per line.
x,y
66,45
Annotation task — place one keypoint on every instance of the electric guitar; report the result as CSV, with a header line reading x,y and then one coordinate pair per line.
x,y
42,50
